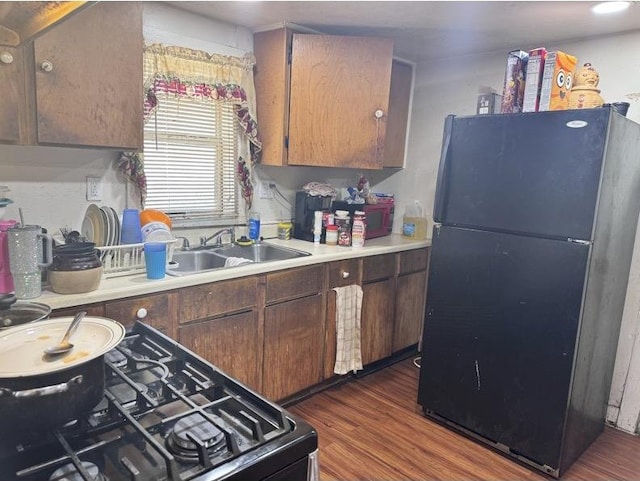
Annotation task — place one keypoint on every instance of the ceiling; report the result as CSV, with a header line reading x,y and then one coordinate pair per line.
x,y
426,30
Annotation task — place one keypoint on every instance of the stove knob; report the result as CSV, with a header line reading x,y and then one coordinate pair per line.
x,y
141,314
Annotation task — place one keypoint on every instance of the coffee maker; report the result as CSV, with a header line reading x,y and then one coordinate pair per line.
x,y
306,205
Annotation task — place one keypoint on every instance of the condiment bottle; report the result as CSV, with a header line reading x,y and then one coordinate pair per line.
x,y
317,226
358,229
344,228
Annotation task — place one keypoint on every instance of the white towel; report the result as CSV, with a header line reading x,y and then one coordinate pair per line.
x,y
236,261
348,311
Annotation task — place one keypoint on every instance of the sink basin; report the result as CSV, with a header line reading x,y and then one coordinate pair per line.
x,y
195,261
260,252
191,262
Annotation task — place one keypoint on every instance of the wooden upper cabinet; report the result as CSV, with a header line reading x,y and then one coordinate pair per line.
x,y
339,100
398,118
322,100
88,79
11,81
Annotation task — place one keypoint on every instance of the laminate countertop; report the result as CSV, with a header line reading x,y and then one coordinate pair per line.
x,y
138,284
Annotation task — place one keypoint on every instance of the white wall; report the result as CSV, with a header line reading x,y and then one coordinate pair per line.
x,y
450,87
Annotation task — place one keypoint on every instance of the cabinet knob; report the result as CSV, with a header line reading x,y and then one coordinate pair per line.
x,y
46,66
379,114
345,274
6,57
142,313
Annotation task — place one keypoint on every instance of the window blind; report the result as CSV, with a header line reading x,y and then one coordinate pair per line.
x,y
190,153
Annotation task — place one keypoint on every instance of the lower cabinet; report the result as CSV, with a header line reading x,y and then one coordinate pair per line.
x,y
376,326
378,302
293,346
220,322
276,332
411,289
230,342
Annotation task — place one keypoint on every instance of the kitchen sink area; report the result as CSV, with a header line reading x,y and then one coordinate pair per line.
x,y
204,259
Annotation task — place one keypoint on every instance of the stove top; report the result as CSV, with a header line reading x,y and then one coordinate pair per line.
x,y
166,415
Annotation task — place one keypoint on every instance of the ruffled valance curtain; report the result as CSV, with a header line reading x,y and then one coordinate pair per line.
x,y
213,77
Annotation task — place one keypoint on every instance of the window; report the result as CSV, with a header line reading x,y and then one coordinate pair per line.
x,y
190,154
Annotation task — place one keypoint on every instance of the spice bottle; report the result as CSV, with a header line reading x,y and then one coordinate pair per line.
x,y
358,229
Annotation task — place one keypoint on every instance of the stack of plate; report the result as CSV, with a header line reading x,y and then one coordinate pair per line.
x,y
101,225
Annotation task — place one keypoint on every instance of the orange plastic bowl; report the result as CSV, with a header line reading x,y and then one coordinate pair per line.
x,y
152,215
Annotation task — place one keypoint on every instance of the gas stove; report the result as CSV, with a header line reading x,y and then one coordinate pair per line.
x,y
168,415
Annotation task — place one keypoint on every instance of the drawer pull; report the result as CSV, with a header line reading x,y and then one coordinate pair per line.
x,y
142,313
345,274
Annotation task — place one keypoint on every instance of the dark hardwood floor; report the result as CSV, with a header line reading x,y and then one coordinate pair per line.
x,y
373,429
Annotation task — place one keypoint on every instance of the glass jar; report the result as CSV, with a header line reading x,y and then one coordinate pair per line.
x,y
284,230
332,235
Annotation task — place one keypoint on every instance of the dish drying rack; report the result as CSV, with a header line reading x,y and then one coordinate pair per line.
x,y
128,259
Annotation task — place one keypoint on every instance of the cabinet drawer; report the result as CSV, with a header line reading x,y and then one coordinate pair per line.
x,y
414,260
161,311
217,298
293,283
378,267
344,273
91,310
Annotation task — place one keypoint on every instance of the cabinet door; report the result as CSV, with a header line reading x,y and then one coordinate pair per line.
x,y
272,77
231,343
398,119
293,346
339,274
376,326
337,86
11,81
410,300
92,94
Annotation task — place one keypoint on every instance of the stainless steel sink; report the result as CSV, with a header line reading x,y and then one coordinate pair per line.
x,y
192,262
260,252
203,260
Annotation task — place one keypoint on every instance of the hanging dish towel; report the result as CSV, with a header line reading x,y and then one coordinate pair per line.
x,y
348,310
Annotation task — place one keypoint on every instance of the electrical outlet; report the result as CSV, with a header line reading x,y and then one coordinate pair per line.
x,y
265,191
94,190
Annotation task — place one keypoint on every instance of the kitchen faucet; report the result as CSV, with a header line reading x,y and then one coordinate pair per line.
x,y
217,235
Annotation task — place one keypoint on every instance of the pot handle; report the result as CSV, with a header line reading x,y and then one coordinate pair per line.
x,y
42,391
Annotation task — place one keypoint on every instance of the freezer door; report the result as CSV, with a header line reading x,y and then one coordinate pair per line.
x,y
534,173
499,336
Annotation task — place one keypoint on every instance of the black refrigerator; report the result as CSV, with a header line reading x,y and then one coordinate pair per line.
x,y
536,217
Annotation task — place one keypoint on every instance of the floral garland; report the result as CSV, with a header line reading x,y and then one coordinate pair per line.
x,y
220,93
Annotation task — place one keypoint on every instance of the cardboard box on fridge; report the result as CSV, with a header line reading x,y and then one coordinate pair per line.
x,y
533,80
557,79
488,103
513,91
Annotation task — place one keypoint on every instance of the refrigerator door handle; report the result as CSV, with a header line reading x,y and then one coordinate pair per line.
x,y
439,202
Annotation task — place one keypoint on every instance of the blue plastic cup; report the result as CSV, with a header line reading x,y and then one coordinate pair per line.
x,y
131,231
155,259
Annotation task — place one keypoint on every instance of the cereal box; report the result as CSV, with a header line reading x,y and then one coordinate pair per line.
x,y
533,80
513,92
557,78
